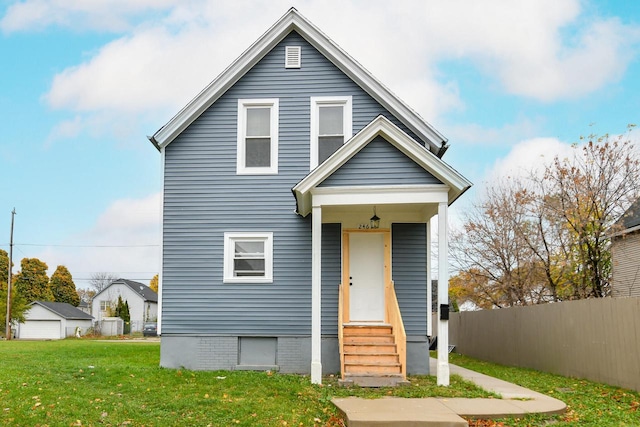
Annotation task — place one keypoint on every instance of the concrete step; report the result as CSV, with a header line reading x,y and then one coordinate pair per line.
x,y
394,412
363,380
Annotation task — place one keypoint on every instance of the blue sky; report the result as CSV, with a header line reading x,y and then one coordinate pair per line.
x,y
510,83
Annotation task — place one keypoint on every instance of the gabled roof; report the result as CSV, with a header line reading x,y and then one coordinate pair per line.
x,y
380,126
145,292
64,310
629,221
294,21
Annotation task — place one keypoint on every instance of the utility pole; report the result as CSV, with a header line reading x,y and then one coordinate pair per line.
x,y
8,325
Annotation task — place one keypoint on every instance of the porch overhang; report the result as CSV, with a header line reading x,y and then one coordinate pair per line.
x,y
452,184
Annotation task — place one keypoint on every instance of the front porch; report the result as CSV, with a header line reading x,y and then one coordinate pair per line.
x,y
383,172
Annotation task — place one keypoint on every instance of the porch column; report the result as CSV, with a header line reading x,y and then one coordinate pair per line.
x,y
316,292
443,297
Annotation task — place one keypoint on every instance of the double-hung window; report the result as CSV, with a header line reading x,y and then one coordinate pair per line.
x,y
330,126
257,136
248,257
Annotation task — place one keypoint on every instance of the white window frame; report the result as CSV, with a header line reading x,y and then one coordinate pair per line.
x,y
229,251
328,101
104,305
243,106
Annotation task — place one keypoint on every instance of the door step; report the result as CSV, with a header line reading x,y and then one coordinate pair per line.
x,y
364,380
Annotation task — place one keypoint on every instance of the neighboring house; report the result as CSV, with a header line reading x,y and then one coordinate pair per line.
x,y
625,254
53,320
293,172
84,306
142,300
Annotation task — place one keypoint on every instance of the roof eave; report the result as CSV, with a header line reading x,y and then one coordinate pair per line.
x,y
290,21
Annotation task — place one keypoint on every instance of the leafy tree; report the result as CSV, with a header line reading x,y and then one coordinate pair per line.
x,y
546,237
32,282
19,308
62,286
18,305
101,280
153,284
4,268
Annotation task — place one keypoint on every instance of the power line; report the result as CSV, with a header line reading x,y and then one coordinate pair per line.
x,y
87,246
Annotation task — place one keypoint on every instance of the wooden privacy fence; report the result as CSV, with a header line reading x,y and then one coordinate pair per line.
x,y
596,339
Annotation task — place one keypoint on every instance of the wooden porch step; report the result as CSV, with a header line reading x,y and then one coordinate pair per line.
x,y
368,348
367,358
367,330
369,339
372,368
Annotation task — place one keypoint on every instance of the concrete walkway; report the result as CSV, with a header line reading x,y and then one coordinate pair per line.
x,y
445,412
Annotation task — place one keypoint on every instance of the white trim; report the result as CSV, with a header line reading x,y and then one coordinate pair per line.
x,y
292,57
316,296
294,21
243,106
328,101
229,241
335,196
443,297
160,275
380,126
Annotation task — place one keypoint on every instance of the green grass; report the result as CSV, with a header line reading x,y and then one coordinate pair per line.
x,y
589,403
113,383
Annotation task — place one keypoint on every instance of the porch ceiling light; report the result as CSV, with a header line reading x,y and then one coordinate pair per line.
x,y
374,222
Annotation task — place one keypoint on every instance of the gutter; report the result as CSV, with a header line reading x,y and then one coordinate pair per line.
x,y
154,142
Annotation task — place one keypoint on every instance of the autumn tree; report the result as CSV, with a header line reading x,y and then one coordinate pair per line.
x,y
590,191
19,307
498,267
153,284
546,237
101,280
62,287
32,282
4,268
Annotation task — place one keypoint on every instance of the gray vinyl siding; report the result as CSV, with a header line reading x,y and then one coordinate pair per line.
x,y
379,163
625,271
331,276
204,198
409,273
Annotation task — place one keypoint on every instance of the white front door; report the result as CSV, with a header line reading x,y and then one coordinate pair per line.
x,y
366,277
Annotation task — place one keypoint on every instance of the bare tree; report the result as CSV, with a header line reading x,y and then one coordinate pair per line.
x,y
101,280
546,237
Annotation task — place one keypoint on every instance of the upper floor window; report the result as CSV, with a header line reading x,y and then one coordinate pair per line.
x,y
330,126
257,136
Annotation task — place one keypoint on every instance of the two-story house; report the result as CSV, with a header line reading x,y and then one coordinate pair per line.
x,y
297,198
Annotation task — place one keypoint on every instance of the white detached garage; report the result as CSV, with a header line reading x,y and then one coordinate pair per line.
x,y
53,320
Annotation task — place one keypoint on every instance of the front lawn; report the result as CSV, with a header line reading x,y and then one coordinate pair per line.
x,y
112,383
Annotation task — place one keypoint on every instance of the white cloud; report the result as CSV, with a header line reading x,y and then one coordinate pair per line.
x,y
105,15
543,49
526,45
528,156
124,241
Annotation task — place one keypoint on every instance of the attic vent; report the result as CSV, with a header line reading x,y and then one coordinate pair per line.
x,y
292,57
